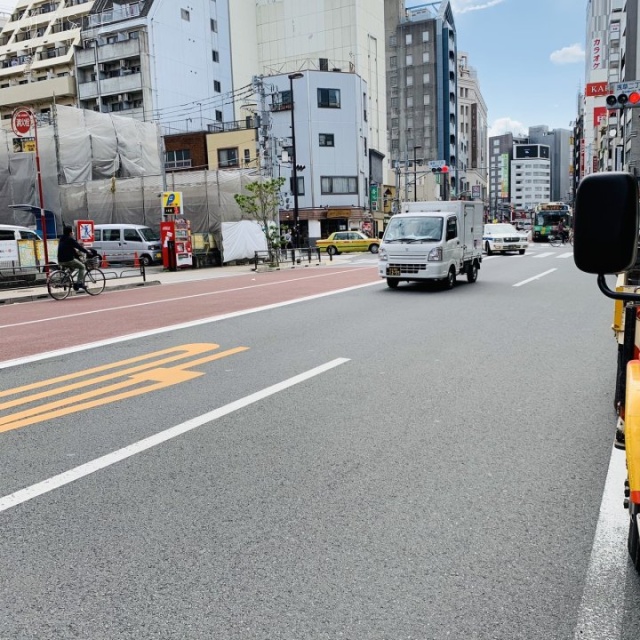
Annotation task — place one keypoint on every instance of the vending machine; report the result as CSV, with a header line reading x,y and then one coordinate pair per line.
x,y
176,243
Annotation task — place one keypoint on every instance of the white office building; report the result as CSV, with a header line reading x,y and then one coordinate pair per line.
x,y
530,176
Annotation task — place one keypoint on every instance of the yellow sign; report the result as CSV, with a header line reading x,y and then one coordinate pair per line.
x,y
172,202
61,396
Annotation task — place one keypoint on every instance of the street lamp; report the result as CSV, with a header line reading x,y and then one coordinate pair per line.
x,y
296,230
415,174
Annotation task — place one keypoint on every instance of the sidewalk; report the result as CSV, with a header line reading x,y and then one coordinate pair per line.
x,y
155,275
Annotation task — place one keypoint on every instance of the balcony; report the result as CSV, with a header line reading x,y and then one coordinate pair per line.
x,y
108,52
38,91
110,86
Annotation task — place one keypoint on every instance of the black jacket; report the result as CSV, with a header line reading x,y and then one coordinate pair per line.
x,y
68,248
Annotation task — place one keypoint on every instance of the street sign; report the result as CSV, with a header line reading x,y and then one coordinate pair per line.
x,y
85,232
172,203
633,85
436,164
373,193
21,122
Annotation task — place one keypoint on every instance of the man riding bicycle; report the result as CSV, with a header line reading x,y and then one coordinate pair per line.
x,y
562,232
68,248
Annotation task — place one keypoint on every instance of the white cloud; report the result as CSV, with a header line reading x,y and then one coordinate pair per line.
x,y
464,6
568,55
507,125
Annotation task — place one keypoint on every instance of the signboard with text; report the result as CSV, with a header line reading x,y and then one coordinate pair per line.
x,y
85,232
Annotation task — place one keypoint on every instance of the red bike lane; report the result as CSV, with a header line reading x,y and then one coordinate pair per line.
x,y
46,325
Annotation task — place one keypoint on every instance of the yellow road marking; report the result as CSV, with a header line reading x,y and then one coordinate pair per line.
x,y
142,378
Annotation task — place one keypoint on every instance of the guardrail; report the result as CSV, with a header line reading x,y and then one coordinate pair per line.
x,y
288,258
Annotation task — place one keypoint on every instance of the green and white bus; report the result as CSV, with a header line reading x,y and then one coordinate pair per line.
x,y
546,219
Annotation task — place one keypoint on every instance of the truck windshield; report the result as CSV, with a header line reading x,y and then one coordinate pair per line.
x,y
414,229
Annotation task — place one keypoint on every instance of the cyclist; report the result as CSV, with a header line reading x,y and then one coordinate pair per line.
x,y
68,248
562,232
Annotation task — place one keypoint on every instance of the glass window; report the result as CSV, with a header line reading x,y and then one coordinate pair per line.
x,y
131,235
184,14
338,185
329,98
217,87
215,56
425,56
408,60
408,39
425,36
111,235
228,158
214,25
326,139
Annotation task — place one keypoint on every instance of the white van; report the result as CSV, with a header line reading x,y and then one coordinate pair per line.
x,y
9,236
432,241
121,243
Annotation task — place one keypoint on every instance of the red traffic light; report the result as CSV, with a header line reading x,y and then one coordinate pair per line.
x,y
634,97
445,169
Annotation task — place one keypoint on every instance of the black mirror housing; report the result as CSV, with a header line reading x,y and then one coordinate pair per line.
x,y
605,231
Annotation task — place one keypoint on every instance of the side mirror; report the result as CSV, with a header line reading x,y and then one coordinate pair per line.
x,y
605,228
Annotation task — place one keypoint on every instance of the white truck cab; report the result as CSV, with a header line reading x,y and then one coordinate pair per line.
x,y
432,241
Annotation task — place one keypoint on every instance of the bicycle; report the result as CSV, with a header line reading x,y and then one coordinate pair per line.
x,y
61,281
556,241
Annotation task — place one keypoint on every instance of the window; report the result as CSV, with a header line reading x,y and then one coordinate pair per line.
x,y
393,79
134,35
408,60
329,98
338,185
426,78
178,159
425,56
326,139
218,116
425,36
408,39
409,102
185,15
393,62
214,25
215,56
216,86
247,156
409,81
452,229
131,235
300,185
111,235
426,99
228,158
393,41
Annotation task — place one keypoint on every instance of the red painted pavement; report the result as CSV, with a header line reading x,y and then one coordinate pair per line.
x,y
29,328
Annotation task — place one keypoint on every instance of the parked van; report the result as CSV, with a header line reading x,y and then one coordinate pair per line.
x,y
9,252
121,243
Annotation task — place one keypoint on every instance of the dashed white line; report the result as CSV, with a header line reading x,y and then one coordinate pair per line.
x,y
35,490
540,275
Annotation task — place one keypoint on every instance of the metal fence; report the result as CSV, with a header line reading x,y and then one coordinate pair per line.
x,y
286,258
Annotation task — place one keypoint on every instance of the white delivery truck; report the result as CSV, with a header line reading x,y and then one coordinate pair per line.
x,y
432,241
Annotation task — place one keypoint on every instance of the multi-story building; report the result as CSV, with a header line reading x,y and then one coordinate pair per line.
x,y
157,60
422,101
530,176
329,113
36,54
472,133
605,26
286,36
560,146
630,71
500,156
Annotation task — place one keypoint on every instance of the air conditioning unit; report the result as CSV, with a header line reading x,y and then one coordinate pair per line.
x,y
101,67
126,97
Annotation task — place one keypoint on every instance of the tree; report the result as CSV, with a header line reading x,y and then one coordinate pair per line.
x,y
262,205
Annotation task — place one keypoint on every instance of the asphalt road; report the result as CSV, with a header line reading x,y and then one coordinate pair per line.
x,y
365,464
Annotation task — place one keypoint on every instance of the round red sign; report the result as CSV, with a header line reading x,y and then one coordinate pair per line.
x,y
21,122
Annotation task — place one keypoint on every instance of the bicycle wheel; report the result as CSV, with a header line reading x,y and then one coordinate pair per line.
x,y
554,241
59,285
94,282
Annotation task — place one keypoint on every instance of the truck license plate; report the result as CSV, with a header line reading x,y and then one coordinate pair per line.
x,y
393,271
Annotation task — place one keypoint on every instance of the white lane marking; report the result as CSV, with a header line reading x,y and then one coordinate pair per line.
x,y
544,255
540,275
183,325
601,608
566,255
177,299
55,482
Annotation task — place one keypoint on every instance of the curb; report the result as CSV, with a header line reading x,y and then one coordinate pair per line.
x,y
45,295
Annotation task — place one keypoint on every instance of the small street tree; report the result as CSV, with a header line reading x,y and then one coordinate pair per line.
x,y
262,205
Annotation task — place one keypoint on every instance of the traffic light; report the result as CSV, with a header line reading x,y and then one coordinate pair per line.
x,y
624,100
444,169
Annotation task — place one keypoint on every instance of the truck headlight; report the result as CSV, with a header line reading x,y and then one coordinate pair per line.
x,y
382,255
435,255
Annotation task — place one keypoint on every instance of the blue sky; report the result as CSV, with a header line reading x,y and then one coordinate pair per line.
x,y
529,55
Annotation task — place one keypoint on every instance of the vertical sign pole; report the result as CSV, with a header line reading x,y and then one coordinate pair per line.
x,y
43,218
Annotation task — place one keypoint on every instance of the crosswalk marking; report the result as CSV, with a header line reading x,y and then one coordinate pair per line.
x,y
543,255
569,254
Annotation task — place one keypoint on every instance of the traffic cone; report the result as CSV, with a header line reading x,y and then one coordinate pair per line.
x,y
105,262
136,260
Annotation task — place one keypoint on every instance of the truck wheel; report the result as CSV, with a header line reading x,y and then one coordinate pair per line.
x,y
450,282
373,248
332,251
487,248
633,543
393,283
521,252
145,260
472,272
